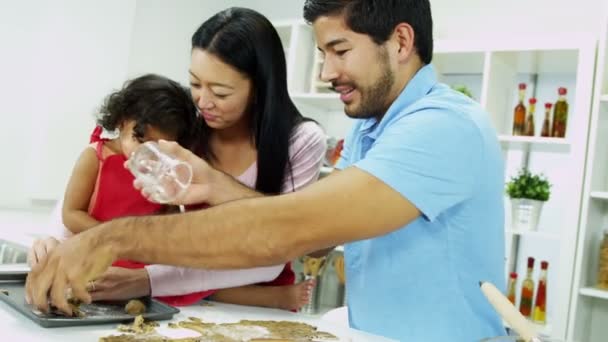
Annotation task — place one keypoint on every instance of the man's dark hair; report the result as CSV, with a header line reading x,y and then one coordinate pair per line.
x,y
378,18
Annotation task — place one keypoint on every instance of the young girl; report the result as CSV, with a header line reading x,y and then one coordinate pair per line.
x,y
148,108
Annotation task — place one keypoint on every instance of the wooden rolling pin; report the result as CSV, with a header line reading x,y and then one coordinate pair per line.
x,y
508,312
339,267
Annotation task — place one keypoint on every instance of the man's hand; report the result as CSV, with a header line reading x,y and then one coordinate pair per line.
x,y
119,283
39,250
70,265
199,190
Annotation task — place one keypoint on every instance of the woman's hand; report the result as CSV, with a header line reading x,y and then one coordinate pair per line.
x,y
203,174
39,250
119,283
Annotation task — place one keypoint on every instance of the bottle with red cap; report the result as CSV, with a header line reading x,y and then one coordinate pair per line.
x,y
529,129
546,130
540,304
560,114
527,291
519,114
511,287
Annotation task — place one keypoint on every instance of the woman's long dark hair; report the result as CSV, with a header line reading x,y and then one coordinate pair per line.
x,y
246,40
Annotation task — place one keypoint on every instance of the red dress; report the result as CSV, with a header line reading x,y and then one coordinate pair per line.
x,y
114,196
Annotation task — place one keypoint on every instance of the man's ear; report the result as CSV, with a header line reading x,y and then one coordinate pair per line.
x,y
404,37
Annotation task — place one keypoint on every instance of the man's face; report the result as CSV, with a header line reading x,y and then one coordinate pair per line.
x,y
359,69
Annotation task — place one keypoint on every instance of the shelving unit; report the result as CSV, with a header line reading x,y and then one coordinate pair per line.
x,y
589,312
491,70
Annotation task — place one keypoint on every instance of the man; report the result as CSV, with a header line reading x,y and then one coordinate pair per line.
x,y
418,199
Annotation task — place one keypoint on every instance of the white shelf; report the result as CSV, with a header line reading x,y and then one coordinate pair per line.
x,y
534,234
326,101
594,292
533,140
603,195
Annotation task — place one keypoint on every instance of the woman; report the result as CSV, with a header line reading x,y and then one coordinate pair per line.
x,y
254,140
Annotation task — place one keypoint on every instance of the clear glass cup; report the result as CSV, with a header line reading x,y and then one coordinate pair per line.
x,y
163,176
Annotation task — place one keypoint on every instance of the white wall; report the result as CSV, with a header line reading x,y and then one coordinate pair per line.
x,y
59,59
163,28
480,18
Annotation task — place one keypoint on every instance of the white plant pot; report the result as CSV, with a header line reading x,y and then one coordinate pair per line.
x,y
525,213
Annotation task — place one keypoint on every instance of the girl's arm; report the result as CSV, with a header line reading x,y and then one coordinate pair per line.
x,y
79,191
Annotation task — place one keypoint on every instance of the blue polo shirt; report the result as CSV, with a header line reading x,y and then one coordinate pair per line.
x,y
438,149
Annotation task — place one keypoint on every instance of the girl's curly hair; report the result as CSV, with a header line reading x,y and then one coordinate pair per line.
x,y
152,100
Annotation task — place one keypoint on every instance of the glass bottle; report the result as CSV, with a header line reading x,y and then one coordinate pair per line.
x,y
546,131
560,114
529,130
540,304
511,287
602,275
527,291
519,113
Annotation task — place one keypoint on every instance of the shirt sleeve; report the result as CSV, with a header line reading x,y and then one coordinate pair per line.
x,y
430,157
307,148
168,280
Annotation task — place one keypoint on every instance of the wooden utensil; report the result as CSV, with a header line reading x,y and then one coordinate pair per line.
x,y
508,312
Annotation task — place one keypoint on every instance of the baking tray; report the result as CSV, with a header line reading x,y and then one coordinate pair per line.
x,y
95,313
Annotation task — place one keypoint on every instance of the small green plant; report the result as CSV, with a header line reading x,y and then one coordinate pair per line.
x,y
530,186
463,89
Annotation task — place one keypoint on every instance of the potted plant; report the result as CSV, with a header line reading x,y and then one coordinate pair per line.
x,y
528,192
463,89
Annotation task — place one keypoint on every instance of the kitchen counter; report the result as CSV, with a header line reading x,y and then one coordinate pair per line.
x,y
15,327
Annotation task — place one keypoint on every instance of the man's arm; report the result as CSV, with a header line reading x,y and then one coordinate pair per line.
x,y
351,205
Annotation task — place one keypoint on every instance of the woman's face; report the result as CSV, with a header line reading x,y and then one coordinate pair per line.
x,y
220,92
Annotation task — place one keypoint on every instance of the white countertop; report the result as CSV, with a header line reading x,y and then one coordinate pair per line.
x,y
16,327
